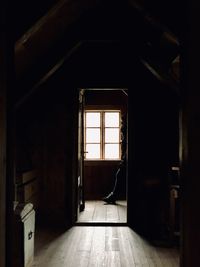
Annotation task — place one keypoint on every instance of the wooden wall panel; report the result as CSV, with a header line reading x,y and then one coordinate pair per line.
x,y
153,150
44,128
100,178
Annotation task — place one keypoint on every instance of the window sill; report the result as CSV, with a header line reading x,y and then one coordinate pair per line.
x,y
88,162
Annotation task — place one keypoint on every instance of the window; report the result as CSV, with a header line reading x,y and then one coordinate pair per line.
x,y
102,135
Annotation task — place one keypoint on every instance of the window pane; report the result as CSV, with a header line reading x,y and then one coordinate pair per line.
x,y
93,151
92,135
111,151
111,135
111,119
92,119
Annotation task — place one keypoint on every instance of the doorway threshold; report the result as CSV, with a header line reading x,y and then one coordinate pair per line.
x,y
92,223
97,211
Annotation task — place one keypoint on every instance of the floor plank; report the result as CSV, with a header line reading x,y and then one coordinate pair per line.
x,y
112,239
112,259
102,246
126,253
99,211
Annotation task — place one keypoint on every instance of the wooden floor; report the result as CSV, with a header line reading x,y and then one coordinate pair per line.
x,y
99,211
83,246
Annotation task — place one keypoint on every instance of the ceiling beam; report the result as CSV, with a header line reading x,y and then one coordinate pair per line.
x,y
47,76
38,40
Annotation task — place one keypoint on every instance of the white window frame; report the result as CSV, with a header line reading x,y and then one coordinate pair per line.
x,y
102,134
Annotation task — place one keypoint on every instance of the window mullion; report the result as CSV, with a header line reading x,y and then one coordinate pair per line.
x,y
84,134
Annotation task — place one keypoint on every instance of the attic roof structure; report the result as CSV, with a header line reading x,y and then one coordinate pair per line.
x,y
65,29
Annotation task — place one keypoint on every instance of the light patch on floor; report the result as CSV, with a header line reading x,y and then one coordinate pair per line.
x,y
83,246
99,211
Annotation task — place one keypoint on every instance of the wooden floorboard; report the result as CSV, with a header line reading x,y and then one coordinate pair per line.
x,y
99,246
99,211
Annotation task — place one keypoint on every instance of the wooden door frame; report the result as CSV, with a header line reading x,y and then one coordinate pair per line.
x,y
2,167
75,180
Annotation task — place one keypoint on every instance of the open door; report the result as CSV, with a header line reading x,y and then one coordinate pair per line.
x,y
80,195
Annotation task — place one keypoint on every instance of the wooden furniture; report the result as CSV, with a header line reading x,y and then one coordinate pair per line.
x,y
24,230
26,190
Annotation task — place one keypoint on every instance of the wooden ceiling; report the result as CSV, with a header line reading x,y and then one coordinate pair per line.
x,y
47,32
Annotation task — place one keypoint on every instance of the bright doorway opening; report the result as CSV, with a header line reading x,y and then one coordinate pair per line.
x,y
103,161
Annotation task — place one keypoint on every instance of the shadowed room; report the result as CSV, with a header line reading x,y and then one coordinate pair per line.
x,y
98,122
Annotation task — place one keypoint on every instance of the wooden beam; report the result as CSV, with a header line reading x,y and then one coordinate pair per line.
x,y
164,78
6,131
46,77
57,66
2,168
47,31
150,20
189,141
3,87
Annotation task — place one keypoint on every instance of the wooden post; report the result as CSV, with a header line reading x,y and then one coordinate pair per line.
x,y
2,175
190,142
2,148
6,160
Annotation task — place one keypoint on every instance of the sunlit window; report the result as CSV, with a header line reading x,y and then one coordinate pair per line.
x,y
102,135
111,151
93,119
111,119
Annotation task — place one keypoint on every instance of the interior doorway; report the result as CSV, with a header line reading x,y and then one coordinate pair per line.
x,y
102,156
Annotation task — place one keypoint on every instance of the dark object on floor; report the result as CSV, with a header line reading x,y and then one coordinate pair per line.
x,y
110,199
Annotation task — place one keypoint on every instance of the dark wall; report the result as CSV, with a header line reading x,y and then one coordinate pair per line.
x,y
190,145
153,150
44,143
99,179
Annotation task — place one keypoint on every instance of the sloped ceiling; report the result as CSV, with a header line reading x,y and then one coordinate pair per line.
x,y
27,13
169,12
47,31
72,21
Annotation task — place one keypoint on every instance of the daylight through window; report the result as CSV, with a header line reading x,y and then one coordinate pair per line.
x,y
102,135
